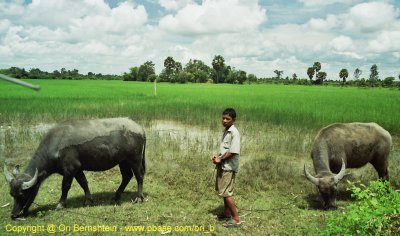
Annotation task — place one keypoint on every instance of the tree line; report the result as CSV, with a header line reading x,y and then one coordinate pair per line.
x,y
36,73
196,71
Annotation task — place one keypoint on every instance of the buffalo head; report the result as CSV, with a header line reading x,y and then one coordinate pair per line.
x,y
327,185
23,188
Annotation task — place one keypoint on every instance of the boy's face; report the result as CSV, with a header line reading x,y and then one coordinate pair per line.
x,y
227,120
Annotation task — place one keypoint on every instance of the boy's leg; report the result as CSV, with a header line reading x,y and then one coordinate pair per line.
x,y
227,211
230,204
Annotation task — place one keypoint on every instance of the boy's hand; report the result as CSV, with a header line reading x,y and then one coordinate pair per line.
x,y
216,159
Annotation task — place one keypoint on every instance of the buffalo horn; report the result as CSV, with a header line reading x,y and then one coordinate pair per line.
x,y
341,173
310,177
9,178
30,183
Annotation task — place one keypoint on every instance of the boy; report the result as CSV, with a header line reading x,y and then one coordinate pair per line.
x,y
227,165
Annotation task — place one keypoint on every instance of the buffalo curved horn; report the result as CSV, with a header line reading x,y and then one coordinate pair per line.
x,y
341,173
9,178
30,183
311,178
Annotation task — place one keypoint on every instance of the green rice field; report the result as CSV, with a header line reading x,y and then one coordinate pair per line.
x,y
182,122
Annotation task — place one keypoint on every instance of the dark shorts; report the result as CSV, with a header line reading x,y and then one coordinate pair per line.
x,y
225,182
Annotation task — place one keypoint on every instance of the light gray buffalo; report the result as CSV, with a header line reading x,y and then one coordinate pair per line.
x,y
348,145
73,147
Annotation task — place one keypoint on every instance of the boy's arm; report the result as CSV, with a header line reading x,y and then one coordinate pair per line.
x,y
227,155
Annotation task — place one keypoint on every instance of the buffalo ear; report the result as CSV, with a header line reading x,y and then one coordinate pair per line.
x,y
16,170
9,178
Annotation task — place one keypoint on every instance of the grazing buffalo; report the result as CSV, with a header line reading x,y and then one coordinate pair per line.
x,y
72,147
341,146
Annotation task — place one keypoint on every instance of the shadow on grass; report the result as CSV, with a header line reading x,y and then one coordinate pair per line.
x,y
217,210
99,199
315,202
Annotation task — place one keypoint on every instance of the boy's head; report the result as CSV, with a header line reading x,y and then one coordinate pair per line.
x,y
228,117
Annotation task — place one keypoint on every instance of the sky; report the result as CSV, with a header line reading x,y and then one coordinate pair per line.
x,y
259,37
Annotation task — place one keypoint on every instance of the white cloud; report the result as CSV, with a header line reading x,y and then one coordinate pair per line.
x,y
175,4
91,35
370,17
342,43
327,24
387,41
319,3
60,13
122,20
215,16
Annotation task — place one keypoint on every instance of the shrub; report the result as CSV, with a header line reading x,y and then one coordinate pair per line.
x,y
376,212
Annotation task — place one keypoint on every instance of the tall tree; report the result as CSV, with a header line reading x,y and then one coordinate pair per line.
x,y
278,73
199,69
373,77
145,71
310,72
132,75
317,67
218,63
357,73
169,65
343,74
321,76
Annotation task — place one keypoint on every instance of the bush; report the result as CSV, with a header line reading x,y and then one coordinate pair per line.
x,y
377,212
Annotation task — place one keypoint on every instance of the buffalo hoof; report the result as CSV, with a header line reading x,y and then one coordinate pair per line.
x,y
139,200
88,202
60,206
117,200
330,208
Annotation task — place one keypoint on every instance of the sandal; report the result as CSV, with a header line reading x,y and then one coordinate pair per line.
x,y
231,224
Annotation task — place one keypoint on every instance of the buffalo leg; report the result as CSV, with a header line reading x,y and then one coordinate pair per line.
x,y
81,178
381,168
66,185
127,175
139,174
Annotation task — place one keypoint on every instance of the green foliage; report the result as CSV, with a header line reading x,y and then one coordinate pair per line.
x,y
198,69
373,77
218,63
310,72
376,212
317,66
145,71
343,74
388,81
171,69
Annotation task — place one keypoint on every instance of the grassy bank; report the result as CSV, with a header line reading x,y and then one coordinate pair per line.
x,y
277,123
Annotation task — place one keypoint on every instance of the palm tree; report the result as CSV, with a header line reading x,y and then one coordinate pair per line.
x,y
343,74
218,65
317,66
310,72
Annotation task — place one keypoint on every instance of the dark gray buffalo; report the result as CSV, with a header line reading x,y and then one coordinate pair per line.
x,y
72,147
341,146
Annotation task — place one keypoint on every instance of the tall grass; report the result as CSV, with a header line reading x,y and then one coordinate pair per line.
x,y
297,106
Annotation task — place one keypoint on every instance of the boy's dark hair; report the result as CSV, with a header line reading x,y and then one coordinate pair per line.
x,y
230,111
